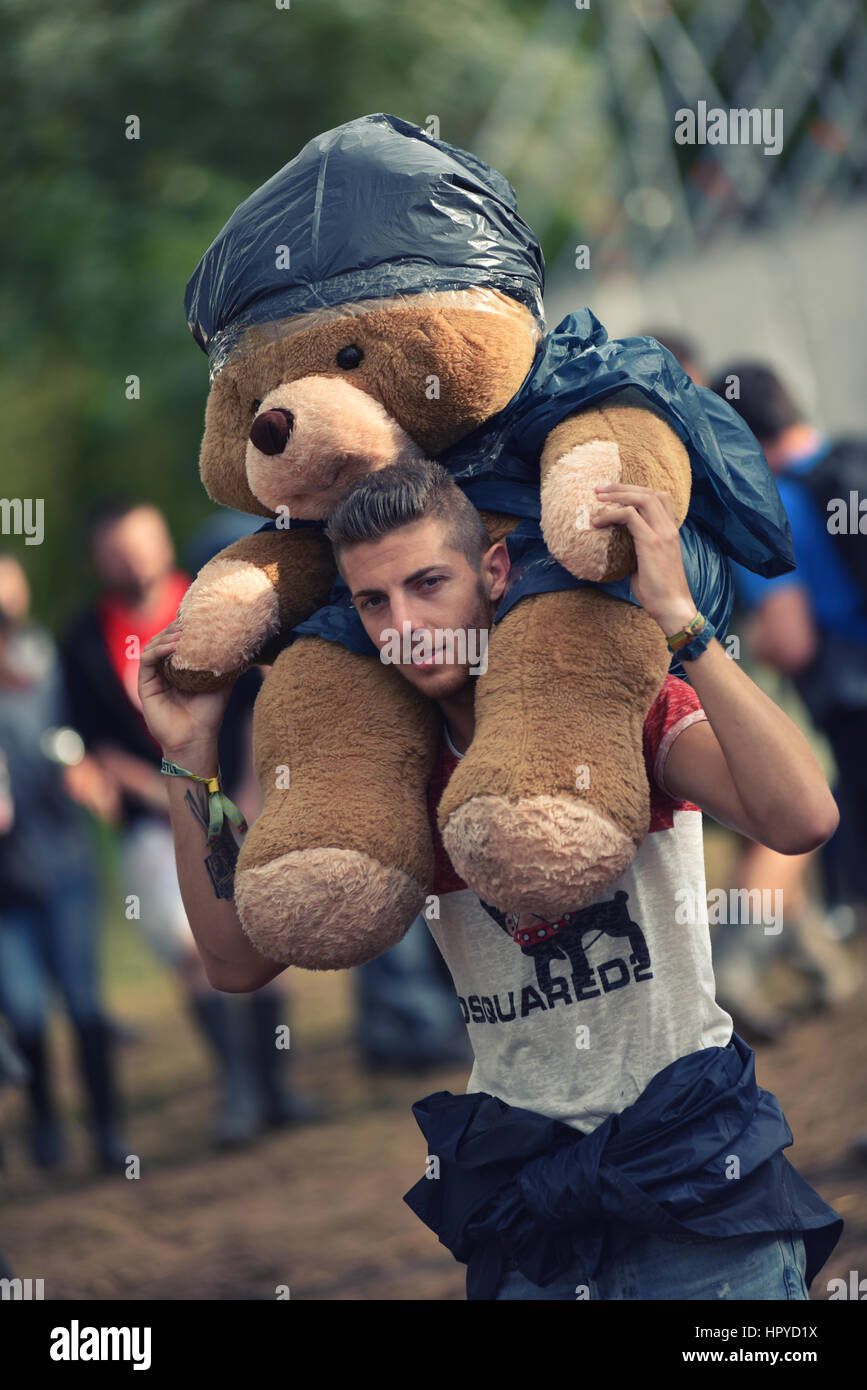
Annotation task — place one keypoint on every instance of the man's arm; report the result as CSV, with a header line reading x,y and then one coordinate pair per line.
x,y
207,879
782,632
749,767
186,726
132,775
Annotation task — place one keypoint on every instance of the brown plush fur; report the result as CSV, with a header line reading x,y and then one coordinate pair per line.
x,y
650,455
557,744
479,359
345,847
339,861
300,568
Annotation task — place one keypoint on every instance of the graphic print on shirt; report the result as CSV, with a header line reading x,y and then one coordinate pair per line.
x,y
569,939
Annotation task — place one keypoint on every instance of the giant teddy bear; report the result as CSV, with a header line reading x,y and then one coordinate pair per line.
x,y
379,299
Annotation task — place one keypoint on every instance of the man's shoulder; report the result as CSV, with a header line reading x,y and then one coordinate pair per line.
x,y
675,702
675,708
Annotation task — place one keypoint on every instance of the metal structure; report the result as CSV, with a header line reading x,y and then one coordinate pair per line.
x,y
601,87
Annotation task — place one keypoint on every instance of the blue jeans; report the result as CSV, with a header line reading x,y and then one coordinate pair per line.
x,y
658,1268
52,942
404,1004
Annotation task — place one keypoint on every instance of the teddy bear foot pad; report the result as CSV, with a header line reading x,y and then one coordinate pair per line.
x,y
325,909
542,854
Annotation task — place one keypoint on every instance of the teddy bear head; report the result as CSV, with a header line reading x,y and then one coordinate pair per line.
x,y
377,299
291,423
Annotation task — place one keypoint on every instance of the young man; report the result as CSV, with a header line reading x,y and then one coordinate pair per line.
x,y
606,1080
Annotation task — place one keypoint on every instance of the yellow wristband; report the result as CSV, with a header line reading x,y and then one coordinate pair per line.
x,y
686,634
219,805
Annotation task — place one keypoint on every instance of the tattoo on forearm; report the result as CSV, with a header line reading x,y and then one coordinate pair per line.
x,y
223,855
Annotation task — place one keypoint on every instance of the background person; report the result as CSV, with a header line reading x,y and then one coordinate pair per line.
x,y
49,884
140,591
809,626
684,349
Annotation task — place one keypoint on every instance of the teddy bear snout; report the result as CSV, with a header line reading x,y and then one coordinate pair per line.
x,y
270,431
313,437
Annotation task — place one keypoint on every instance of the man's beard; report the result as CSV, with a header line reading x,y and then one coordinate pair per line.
x,y
478,622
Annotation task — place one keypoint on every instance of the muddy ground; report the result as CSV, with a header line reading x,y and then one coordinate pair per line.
x,y
319,1208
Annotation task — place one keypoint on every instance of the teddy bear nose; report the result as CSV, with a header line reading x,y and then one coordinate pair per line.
x,y
270,431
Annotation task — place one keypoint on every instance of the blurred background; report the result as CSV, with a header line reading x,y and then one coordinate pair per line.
x,y
110,1040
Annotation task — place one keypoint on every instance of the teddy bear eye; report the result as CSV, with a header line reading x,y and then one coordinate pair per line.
x,y
255,407
349,357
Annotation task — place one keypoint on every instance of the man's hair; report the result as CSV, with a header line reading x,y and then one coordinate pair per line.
x,y
759,397
107,510
401,494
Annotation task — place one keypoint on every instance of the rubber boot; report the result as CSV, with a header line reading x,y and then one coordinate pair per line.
x,y
282,1106
221,1018
47,1147
96,1062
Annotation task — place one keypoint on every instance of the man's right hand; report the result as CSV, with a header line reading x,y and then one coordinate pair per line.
x,y
185,723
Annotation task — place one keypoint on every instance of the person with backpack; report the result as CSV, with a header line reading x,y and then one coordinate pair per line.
x,y
811,624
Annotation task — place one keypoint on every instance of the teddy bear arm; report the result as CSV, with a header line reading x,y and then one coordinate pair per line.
x,y
551,800
244,597
499,524
622,441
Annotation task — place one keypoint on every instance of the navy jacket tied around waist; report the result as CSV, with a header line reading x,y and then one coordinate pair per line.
x,y
514,1184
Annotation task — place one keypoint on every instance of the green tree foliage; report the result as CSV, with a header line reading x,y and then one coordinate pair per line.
x,y
102,232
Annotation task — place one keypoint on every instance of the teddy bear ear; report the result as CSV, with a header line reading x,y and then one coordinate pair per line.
x,y
222,459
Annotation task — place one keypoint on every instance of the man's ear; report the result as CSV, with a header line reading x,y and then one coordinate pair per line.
x,y
496,564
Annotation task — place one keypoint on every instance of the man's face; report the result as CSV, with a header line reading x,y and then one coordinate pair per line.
x,y
411,589
132,554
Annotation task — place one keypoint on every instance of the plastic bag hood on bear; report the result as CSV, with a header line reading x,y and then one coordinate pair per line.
x,y
457,225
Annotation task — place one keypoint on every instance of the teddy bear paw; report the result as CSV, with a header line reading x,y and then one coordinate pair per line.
x,y
544,854
228,612
569,502
325,909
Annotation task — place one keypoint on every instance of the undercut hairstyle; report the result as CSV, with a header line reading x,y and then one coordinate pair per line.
x,y
762,400
402,494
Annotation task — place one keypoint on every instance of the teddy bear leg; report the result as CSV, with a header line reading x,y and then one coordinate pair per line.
x,y
336,867
622,441
551,801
